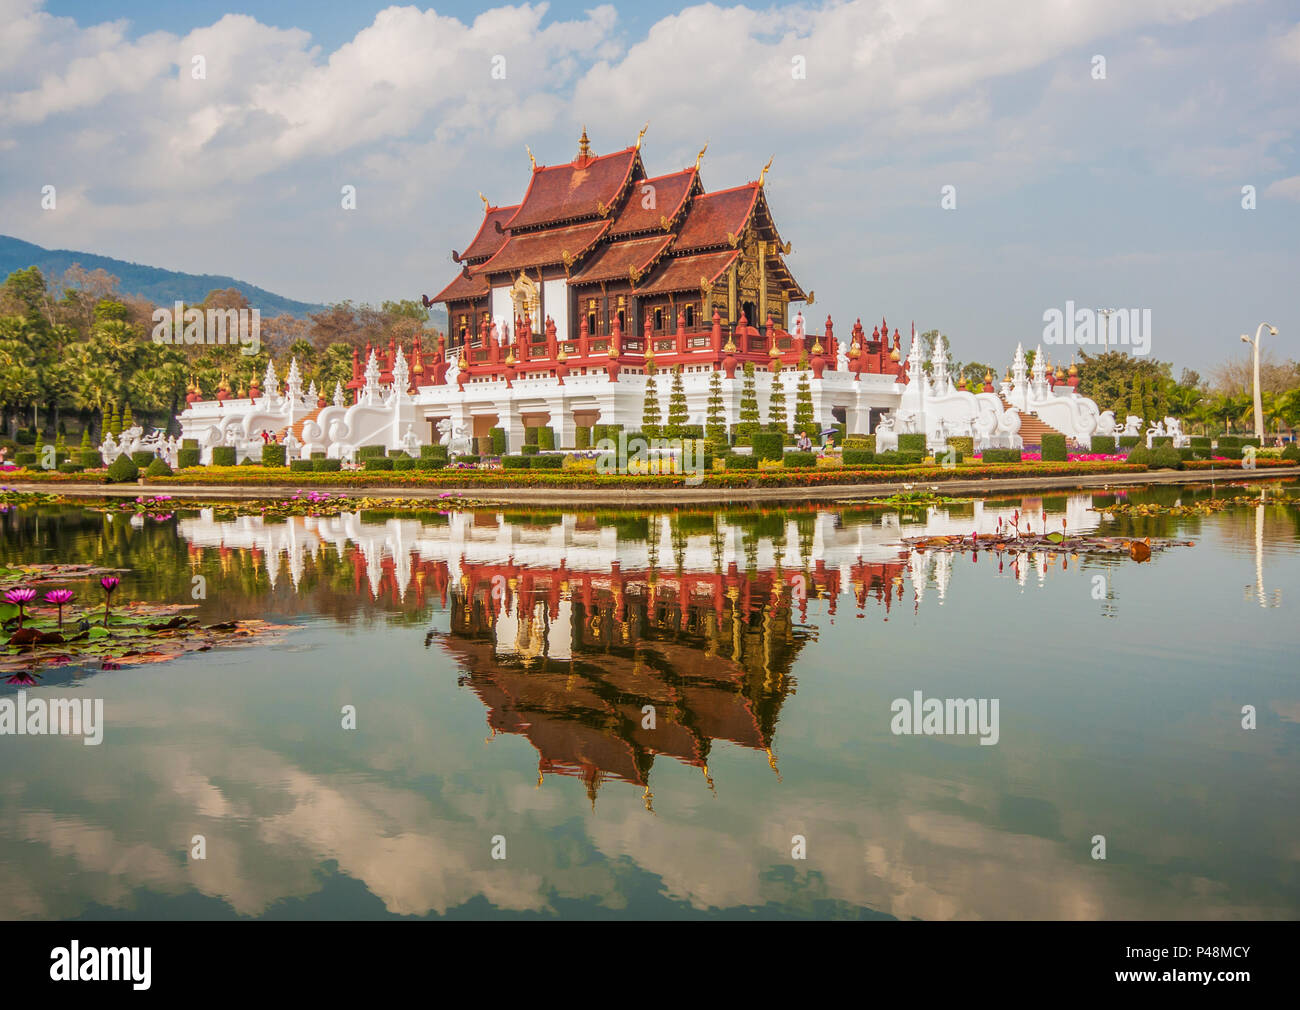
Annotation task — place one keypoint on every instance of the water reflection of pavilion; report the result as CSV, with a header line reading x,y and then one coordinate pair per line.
x,y
568,626
571,659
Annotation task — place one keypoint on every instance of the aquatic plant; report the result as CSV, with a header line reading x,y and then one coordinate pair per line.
x,y
109,583
20,598
59,598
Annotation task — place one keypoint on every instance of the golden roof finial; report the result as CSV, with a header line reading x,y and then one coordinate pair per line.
x,y
765,168
531,159
642,134
584,145
700,157
486,206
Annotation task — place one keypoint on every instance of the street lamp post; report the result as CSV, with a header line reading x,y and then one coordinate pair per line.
x,y
1106,314
1259,401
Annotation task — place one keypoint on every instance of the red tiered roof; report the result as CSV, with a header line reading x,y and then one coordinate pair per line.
x,y
714,216
465,286
585,187
670,194
545,247
687,273
489,239
615,260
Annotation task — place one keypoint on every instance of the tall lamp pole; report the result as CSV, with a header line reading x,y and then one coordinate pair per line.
x,y
1259,401
1106,314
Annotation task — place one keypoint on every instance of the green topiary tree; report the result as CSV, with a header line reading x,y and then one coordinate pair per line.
x,y
803,407
678,414
776,416
122,469
650,415
1135,398
115,421
128,420
85,439
715,418
748,422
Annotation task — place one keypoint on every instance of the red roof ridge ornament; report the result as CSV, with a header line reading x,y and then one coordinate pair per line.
x,y
584,148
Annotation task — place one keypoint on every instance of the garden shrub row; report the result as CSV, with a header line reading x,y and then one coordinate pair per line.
x,y
1053,448
1001,455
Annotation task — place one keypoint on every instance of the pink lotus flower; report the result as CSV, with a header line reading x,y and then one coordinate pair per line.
x,y
20,598
58,597
109,583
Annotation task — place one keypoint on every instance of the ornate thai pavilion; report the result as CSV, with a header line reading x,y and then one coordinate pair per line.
x,y
597,247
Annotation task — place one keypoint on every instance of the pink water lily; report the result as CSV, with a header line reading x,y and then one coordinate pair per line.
x,y
20,598
59,597
109,583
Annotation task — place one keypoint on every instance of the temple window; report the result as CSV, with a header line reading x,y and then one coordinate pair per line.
x,y
690,316
659,320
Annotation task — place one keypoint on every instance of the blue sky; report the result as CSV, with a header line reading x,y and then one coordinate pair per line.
x,y
1124,191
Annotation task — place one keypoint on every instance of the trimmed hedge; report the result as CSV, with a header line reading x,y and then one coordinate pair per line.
x,y
326,465
429,463
158,468
122,470
498,441
1129,441
189,443
515,462
531,435
767,444
582,437
546,438
25,436
433,452
187,457
800,459
737,461
867,442
857,457
25,458
404,463
530,449
467,459
964,444
1229,451
914,442
142,458
1291,451
370,451
377,463
91,459
273,455
1201,442
1053,448
1001,455
318,455
1103,444
548,461
1157,440
301,465
70,468
223,455
910,458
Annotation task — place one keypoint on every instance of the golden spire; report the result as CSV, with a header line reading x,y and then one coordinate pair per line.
x,y
700,157
584,145
486,206
817,347
765,168
639,135
531,159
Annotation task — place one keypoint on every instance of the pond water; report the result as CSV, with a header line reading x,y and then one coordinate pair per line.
x,y
504,669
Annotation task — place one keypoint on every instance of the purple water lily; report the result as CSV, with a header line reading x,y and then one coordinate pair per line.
x,y
109,583
59,597
20,598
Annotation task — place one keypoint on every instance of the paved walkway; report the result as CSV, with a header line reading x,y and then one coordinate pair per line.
x,y
653,497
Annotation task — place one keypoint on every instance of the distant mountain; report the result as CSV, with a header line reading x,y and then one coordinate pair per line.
x,y
158,285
